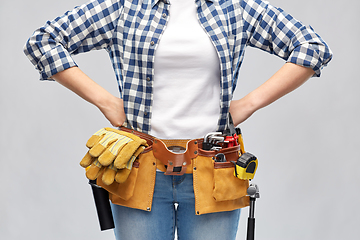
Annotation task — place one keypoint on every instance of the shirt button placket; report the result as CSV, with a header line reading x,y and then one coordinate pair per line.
x,y
149,86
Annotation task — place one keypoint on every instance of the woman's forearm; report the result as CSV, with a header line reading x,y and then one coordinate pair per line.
x,y
287,79
78,82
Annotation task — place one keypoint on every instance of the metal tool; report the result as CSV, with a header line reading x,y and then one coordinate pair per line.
x,y
207,144
214,139
253,193
220,157
215,148
231,137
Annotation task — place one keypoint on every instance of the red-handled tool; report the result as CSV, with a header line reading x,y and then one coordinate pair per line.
x,y
231,138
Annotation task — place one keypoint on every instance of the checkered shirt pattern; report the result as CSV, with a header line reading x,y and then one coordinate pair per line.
x,y
130,31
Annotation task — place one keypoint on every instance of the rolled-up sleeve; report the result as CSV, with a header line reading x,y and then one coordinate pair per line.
x,y
277,32
85,28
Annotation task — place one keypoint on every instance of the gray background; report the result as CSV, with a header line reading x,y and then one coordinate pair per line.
x,y
307,143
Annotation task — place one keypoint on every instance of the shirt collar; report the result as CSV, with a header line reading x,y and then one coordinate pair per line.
x,y
154,2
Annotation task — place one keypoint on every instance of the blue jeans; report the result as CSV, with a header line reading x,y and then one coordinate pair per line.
x,y
173,208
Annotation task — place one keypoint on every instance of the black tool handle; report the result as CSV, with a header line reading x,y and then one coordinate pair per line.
x,y
103,208
251,229
251,220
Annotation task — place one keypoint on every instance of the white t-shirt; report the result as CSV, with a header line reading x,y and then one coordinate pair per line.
x,y
186,101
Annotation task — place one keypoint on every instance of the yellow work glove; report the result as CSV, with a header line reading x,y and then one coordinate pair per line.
x,y
124,171
112,150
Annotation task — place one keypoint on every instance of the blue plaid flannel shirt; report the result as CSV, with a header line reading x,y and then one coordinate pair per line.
x,y
130,31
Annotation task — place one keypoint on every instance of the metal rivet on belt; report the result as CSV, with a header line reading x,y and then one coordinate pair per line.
x,y
195,142
195,152
184,163
194,168
170,163
148,209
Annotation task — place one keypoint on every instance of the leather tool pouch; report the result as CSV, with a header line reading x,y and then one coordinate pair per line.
x,y
137,191
216,188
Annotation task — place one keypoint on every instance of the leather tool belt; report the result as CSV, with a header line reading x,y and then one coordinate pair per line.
x,y
216,189
175,155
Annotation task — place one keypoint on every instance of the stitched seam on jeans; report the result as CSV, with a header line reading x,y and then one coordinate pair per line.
x,y
173,225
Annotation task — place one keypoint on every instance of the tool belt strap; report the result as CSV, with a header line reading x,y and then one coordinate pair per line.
x,y
180,163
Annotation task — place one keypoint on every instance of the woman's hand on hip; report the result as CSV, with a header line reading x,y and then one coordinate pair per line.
x,y
114,111
288,78
240,110
78,82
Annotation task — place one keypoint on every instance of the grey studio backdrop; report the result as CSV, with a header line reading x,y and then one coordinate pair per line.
x,y
307,143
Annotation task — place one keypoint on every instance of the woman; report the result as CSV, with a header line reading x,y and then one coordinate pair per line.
x,y
177,65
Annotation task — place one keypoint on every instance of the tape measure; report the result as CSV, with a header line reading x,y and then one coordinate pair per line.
x,y
245,166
